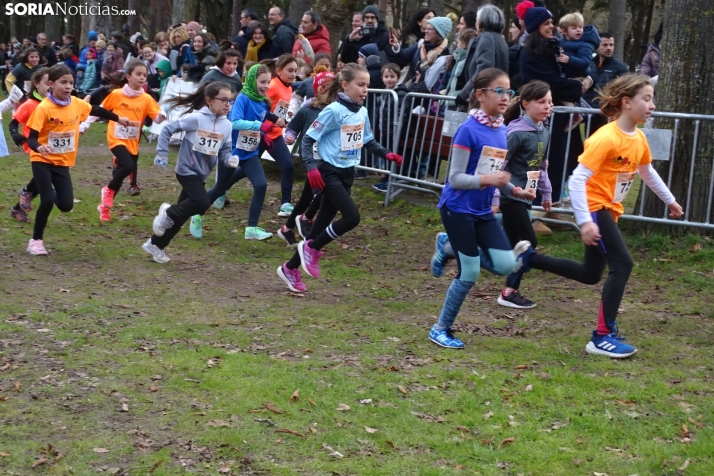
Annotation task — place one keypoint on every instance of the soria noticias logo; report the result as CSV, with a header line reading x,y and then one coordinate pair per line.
x,y
56,8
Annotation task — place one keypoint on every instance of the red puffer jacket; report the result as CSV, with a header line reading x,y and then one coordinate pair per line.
x,y
319,40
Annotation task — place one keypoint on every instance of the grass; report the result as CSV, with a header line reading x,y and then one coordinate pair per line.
x,y
125,366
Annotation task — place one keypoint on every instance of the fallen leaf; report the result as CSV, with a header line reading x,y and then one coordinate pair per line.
x,y
461,428
625,402
224,469
266,420
218,423
599,474
100,450
696,423
154,388
313,430
687,461
334,453
343,408
285,430
39,462
685,431
529,388
366,401
2,454
505,441
487,415
295,395
3,398
545,376
63,290
371,430
311,402
271,407
402,389
17,386
124,407
520,367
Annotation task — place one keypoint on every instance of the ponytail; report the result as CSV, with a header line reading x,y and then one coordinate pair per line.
x,y
197,99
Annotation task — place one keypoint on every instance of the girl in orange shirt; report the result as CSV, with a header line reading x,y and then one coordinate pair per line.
x,y
53,140
613,156
127,99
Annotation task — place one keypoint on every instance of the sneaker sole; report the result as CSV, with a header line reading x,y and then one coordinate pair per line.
x,y
282,237
284,214
282,276
444,346
591,349
143,247
301,252
155,224
255,238
99,209
37,254
505,303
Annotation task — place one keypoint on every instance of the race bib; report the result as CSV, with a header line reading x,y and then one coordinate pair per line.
x,y
126,132
315,155
281,110
623,185
533,177
248,140
61,142
351,136
27,86
492,160
207,142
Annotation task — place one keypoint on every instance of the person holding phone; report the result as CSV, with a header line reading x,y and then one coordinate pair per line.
x,y
372,30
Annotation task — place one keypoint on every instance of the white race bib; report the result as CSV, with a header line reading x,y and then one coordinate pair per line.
x,y
492,160
281,110
533,177
351,136
623,185
207,142
248,140
315,155
61,142
126,132
27,86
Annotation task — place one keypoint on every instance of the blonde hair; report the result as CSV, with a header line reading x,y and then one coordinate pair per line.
x,y
571,19
626,86
181,30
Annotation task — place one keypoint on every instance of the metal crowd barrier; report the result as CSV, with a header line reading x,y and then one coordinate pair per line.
x,y
383,116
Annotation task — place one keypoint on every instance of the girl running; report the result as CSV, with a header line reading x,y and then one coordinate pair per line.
x,y
613,156
249,117
128,99
340,130
527,142
479,154
38,91
309,202
207,139
53,139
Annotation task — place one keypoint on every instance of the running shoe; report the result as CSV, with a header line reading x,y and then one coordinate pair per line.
x,y
104,213
19,214
25,199
288,236
440,257
134,190
286,210
609,345
257,233
515,299
196,226
445,338
162,221
292,278
524,252
381,186
310,258
304,226
36,247
155,252
219,203
108,197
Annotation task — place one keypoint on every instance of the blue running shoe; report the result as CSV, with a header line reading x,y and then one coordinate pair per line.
x,y
445,338
220,202
440,257
609,346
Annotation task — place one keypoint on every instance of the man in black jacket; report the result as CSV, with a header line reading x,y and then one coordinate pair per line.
x,y
47,52
373,30
284,31
603,68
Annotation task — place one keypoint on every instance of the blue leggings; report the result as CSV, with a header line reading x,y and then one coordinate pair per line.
x,y
251,168
282,157
478,241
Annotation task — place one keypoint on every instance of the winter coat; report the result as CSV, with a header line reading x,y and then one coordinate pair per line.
x,y
318,39
547,69
269,50
412,56
603,73
91,76
215,74
151,66
284,36
580,52
514,68
488,50
350,49
113,64
650,62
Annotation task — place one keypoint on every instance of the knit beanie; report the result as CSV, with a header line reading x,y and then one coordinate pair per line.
x,y
368,50
194,25
92,36
320,79
442,25
371,9
100,44
535,17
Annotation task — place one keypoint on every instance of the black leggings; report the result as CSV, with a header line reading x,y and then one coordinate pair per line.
x,y
251,168
556,155
308,204
335,197
611,251
517,225
125,166
55,187
193,200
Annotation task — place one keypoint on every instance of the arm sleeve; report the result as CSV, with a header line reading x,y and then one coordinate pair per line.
x,y
374,147
13,126
102,113
544,186
6,105
307,156
654,181
33,141
296,125
578,196
236,115
458,178
186,124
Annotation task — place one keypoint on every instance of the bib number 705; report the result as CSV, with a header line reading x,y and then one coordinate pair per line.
x,y
351,136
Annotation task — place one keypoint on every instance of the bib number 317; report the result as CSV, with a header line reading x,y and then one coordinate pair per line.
x,y
207,142
351,136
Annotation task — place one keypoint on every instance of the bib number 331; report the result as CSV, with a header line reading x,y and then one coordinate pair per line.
x,y
207,142
351,136
492,160
61,142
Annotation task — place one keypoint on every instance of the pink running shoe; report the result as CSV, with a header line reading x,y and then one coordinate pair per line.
x,y
292,278
107,197
104,213
310,258
36,247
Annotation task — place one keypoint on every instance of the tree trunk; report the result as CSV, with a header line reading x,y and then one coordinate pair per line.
x,y
180,11
101,23
134,21
686,84
472,5
53,29
74,23
159,16
437,6
616,25
237,7
336,16
296,10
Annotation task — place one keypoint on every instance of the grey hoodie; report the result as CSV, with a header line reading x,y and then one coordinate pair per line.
x,y
189,161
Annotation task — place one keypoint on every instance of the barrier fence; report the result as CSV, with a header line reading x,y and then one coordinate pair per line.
x,y
426,123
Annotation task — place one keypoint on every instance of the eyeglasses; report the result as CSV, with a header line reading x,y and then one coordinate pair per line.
x,y
500,92
226,101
